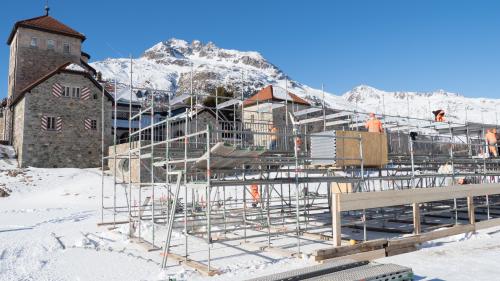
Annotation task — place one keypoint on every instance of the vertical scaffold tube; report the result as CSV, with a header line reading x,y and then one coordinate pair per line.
x,y
152,171
114,158
102,152
209,233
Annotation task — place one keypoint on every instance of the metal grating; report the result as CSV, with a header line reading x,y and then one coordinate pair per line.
x,y
312,271
370,272
323,145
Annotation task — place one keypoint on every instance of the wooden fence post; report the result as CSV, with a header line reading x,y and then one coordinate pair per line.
x,y
416,219
336,222
470,208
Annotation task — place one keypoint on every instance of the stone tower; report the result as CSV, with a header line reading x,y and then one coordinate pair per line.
x,y
38,46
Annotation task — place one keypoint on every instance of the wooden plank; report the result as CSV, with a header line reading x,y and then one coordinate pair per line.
x,y
144,244
332,252
487,223
392,251
429,236
364,256
457,229
398,245
317,236
366,200
202,268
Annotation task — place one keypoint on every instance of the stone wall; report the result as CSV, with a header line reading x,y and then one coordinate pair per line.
x,y
19,115
73,146
2,122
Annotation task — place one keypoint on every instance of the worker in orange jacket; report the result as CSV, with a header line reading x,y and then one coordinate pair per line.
x,y
491,139
254,190
298,142
439,115
373,124
273,145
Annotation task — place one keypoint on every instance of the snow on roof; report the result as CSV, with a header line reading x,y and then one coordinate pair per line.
x,y
75,67
274,93
281,94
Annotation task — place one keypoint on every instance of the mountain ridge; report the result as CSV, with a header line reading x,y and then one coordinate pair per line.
x,y
170,64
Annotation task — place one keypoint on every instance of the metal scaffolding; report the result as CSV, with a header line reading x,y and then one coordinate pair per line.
x,y
181,173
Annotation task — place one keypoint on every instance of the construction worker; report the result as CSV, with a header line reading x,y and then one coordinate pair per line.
x,y
439,115
274,137
298,143
463,181
374,125
254,190
491,139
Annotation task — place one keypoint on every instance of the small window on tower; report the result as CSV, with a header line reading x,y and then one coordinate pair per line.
x,y
50,44
76,92
67,91
34,42
93,124
51,123
66,48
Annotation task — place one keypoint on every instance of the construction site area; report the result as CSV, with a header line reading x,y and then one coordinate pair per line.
x,y
275,173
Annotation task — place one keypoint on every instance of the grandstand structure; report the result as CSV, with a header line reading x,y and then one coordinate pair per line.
x,y
416,177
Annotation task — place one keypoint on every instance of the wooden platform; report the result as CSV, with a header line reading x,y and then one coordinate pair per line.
x,y
202,268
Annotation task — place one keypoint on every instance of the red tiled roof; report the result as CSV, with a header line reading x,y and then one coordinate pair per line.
x,y
46,23
267,94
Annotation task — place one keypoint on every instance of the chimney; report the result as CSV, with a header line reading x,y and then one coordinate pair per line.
x,y
85,57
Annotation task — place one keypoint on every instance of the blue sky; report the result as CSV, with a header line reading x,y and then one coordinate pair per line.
x,y
392,45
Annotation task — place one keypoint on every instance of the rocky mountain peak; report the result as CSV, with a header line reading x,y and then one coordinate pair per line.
x,y
172,50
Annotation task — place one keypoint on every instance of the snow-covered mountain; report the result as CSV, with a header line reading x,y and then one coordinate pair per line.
x,y
169,66
421,104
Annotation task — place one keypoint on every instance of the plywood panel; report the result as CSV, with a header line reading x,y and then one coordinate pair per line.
x,y
374,146
341,187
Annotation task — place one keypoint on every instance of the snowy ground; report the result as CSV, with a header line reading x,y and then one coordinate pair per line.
x,y
48,231
461,257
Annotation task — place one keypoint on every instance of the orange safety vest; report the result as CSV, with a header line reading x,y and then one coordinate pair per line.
x,y
274,131
374,126
254,190
298,142
491,138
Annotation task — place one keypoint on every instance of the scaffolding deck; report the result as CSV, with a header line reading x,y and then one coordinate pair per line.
x,y
312,271
369,272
